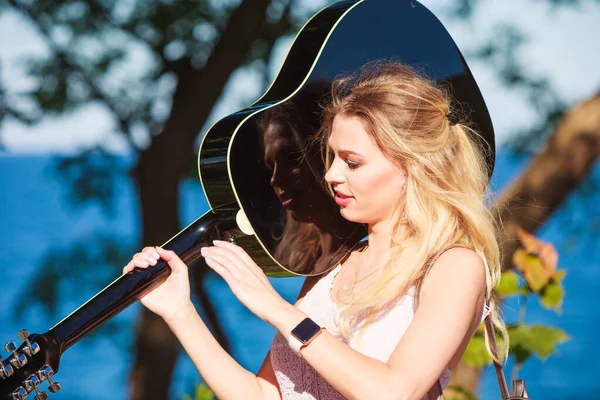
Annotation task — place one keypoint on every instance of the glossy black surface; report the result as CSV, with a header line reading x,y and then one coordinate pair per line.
x,y
276,175
123,292
303,53
129,287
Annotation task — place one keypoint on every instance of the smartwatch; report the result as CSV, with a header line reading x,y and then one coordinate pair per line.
x,y
303,334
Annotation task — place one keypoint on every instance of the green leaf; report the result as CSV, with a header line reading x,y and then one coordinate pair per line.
x,y
476,354
509,284
538,340
203,392
552,296
533,270
559,275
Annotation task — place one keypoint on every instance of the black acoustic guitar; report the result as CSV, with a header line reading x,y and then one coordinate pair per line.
x,y
262,173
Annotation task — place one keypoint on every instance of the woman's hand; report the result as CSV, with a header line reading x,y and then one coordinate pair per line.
x,y
173,295
245,279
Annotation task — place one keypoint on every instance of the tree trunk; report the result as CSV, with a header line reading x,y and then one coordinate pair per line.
x,y
528,202
564,163
162,167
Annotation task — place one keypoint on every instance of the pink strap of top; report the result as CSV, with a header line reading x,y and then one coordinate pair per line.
x,y
298,380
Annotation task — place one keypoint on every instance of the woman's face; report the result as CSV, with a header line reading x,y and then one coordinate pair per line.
x,y
291,177
367,184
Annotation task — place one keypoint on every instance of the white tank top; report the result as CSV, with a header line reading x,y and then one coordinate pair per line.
x,y
298,380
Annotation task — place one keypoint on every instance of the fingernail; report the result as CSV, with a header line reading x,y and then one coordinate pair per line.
x,y
152,261
208,259
203,250
217,241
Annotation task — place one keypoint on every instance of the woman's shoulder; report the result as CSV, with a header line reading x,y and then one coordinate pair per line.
x,y
460,260
458,267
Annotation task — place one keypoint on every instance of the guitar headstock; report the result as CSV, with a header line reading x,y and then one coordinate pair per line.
x,y
27,366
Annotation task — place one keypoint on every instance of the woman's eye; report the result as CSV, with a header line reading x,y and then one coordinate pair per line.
x,y
352,164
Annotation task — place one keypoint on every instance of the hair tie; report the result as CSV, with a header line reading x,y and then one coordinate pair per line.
x,y
452,118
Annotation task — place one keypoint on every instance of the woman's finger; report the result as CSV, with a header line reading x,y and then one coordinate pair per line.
x,y
240,254
221,270
225,259
151,253
128,268
148,256
172,259
224,252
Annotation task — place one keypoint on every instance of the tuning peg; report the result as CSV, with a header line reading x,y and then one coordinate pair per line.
x,y
19,394
19,360
54,387
6,370
46,372
31,385
30,348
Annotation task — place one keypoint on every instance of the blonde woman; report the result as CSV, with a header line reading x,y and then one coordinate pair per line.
x,y
394,318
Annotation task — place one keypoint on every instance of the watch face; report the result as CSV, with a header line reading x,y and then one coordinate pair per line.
x,y
306,330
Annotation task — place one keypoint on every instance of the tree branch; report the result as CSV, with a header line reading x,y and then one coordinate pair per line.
x,y
563,164
66,62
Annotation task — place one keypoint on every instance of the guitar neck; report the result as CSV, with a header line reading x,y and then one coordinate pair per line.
x,y
128,288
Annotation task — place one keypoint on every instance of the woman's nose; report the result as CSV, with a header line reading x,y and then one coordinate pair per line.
x,y
332,176
275,176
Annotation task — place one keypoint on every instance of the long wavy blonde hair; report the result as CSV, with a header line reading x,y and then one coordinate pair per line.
x,y
444,201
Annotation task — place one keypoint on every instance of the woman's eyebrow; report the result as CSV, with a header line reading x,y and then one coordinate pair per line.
x,y
345,152
349,152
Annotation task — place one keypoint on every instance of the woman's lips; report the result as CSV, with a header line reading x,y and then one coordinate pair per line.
x,y
342,200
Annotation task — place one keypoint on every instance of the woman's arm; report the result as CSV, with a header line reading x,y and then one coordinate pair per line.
x,y
225,377
216,366
171,300
449,311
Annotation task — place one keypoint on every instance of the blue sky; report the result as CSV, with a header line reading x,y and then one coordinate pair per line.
x,y
562,44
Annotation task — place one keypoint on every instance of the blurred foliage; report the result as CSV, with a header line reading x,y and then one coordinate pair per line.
x,y
91,176
502,48
70,275
535,274
202,392
124,54
126,57
538,340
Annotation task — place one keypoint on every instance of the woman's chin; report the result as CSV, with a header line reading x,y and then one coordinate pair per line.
x,y
357,217
349,215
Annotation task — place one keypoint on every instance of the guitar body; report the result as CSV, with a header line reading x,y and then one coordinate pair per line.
x,y
339,39
262,172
